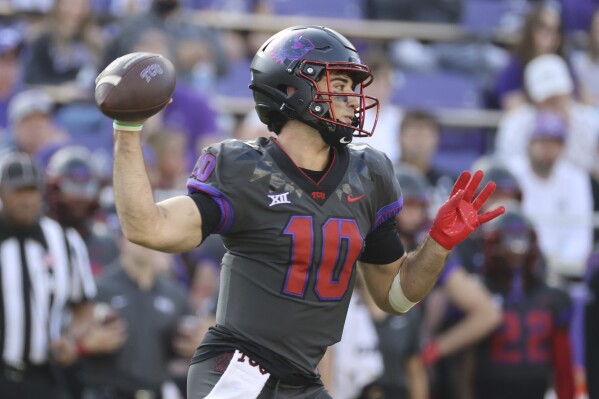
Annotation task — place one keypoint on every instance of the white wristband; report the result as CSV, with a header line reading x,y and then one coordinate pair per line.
x,y
126,126
397,298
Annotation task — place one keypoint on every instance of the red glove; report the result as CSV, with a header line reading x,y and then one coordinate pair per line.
x,y
458,216
430,354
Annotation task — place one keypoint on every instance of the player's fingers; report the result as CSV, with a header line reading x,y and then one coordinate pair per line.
x,y
455,199
483,196
473,185
492,214
460,183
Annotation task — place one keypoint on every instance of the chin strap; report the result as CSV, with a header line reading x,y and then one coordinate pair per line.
x,y
339,137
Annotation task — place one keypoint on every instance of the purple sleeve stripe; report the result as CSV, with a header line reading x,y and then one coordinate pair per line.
x,y
387,212
226,210
564,318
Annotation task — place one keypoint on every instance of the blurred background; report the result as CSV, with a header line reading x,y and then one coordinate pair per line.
x,y
507,86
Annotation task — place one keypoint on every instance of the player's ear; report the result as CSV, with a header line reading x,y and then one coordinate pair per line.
x,y
291,90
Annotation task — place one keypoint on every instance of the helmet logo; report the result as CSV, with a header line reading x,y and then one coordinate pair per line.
x,y
293,48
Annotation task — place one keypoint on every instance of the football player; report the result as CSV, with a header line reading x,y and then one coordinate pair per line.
x,y
471,311
72,192
518,360
296,213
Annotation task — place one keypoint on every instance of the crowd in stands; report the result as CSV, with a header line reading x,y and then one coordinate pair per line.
x,y
515,312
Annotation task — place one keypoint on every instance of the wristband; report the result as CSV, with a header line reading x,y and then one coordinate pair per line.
x,y
397,298
127,126
431,353
81,349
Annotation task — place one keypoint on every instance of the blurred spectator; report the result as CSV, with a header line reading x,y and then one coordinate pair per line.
x,y
448,11
33,131
399,343
556,197
357,359
11,43
586,65
190,112
454,286
205,275
198,271
158,327
592,327
550,87
72,192
581,296
419,136
65,59
519,358
595,191
251,127
45,273
541,34
389,117
507,191
170,167
577,14
191,43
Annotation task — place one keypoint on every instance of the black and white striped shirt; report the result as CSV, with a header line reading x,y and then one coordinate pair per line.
x,y
42,270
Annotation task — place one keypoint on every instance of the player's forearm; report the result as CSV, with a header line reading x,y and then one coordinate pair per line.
x,y
477,324
422,268
417,379
132,190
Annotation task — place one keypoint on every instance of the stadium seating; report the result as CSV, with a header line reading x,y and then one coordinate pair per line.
x,y
459,148
350,9
235,82
433,90
483,17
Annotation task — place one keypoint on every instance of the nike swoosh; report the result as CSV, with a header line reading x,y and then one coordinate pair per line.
x,y
354,199
344,140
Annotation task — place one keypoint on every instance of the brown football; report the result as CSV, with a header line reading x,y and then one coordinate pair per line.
x,y
135,86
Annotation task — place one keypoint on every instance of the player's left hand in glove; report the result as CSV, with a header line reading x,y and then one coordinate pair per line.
x,y
458,216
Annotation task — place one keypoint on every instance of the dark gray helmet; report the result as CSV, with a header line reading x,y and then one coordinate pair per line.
x,y
298,57
71,170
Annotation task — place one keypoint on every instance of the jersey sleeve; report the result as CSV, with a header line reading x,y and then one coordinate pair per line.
x,y
562,308
388,200
209,176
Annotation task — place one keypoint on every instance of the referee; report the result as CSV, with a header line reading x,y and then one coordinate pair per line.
x,y
44,271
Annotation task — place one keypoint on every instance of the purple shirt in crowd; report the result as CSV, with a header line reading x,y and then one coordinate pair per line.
x,y
191,114
510,78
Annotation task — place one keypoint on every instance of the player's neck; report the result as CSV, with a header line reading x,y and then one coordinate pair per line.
x,y
304,146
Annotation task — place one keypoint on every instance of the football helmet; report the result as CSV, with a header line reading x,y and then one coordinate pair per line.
x,y
510,246
297,58
72,185
506,183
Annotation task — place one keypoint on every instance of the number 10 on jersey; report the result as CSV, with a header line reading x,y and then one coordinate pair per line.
x,y
340,245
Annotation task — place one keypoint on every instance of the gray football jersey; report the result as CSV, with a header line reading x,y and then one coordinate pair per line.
x,y
292,244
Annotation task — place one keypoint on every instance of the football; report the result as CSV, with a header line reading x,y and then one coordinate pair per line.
x,y
135,86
